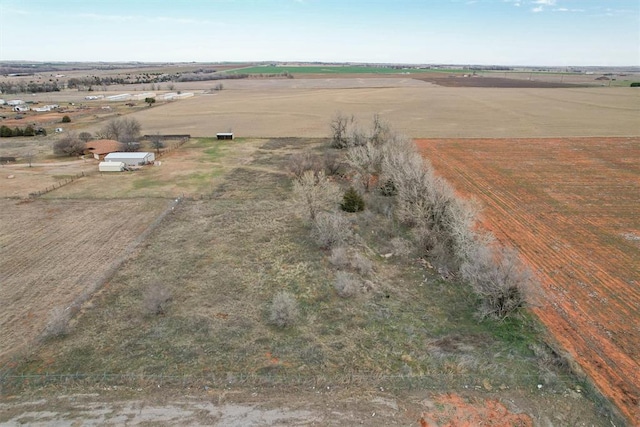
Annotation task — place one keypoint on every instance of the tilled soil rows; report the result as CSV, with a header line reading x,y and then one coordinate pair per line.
x,y
570,206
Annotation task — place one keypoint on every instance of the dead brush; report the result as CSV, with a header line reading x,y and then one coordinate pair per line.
x,y
156,299
346,284
57,324
284,310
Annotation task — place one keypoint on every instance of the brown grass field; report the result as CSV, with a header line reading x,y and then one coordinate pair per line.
x,y
571,206
53,251
261,108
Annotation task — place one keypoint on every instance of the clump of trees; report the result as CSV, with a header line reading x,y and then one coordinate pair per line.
x,y
124,130
7,132
69,145
443,225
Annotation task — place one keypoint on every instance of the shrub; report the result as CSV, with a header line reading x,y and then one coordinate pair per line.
x,y
29,131
332,163
330,230
361,264
6,131
499,278
635,84
352,201
313,192
400,247
85,136
346,285
156,299
339,257
57,324
302,162
388,188
284,310
68,145
66,119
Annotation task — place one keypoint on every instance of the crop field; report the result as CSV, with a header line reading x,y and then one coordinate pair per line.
x,y
53,252
571,207
224,257
328,70
262,108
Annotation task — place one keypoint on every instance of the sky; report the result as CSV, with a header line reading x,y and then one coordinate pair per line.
x,y
500,32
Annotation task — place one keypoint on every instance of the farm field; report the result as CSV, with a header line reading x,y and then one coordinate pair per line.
x,y
407,335
54,252
280,108
571,208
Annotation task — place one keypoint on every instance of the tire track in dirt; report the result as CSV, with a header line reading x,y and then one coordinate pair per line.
x,y
591,300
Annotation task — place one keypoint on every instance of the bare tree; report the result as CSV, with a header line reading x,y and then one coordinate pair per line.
x,y
157,142
300,163
314,192
85,136
366,160
339,130
29,156
124,130
68,145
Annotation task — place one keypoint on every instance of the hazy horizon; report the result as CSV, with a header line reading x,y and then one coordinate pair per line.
x,y
551,33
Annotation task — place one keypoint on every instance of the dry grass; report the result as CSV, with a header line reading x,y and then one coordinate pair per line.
x,y
259,109
53,251
224,259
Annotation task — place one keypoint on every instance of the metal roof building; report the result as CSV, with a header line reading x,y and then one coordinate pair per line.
x,y
131,159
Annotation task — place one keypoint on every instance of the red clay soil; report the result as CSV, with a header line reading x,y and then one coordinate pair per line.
x,y
571,206
453,411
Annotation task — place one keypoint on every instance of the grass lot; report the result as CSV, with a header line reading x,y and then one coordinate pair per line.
x,y
193,170
330,69
223,260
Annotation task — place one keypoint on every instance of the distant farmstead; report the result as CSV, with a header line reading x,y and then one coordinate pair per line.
x,y
131,159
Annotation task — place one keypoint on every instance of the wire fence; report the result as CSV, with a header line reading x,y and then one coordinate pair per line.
x,y
435,382
59,184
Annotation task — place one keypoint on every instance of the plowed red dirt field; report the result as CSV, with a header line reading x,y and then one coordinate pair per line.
x,y
571,206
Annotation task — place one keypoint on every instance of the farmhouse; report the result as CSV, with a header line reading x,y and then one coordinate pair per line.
x,y
225,135
101,147
131,159
111,166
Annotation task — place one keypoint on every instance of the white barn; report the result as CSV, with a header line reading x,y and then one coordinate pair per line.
x,y
131,159
111,166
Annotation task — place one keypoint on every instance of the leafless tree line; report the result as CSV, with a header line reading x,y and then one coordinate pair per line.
x,y
443,225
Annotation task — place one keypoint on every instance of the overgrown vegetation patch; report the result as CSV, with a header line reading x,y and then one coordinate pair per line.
x,y
198,300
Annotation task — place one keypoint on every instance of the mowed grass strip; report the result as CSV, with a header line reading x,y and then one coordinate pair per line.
x,y
224,259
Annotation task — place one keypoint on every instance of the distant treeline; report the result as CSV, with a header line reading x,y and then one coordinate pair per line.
x,y
91,82
30,87
7,132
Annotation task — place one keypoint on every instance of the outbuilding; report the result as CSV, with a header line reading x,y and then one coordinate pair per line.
x,y
131,159
111,166
225,135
